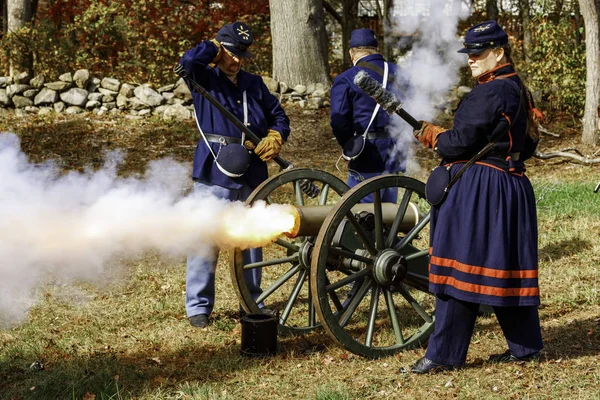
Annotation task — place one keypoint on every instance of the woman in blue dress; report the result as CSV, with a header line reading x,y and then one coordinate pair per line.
x,y
484,234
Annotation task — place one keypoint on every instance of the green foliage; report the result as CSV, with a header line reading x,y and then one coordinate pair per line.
x,y
137,40
557,70
327,393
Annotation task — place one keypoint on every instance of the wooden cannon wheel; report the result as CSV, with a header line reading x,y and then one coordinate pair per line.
x,y
286,262
369,280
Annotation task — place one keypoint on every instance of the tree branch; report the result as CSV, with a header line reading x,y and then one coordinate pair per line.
x,y
579,157
329,8
546,131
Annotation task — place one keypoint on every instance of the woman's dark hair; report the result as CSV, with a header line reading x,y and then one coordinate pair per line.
x,y
532,122
507,52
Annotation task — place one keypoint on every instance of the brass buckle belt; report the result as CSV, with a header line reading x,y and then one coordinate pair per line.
x,y
222,139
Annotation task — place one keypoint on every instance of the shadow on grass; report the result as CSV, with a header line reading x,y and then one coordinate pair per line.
x,y
155,371
574,339
115,374
577,338
564,248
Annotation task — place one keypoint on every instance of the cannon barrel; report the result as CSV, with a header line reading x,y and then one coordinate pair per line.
x,y
308,220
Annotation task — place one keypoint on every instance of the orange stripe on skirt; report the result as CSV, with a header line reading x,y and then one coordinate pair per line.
x,y
481,289
475,270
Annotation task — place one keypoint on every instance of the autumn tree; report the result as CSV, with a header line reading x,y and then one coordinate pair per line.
x,y
299,41
590,9
137,40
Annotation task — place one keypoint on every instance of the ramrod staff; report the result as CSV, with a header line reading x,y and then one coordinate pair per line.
x,y
388,100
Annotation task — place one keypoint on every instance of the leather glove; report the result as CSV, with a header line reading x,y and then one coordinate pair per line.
x,y
428,134
217,58
270,146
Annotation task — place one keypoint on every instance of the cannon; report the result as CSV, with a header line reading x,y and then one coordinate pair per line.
x,y
359,271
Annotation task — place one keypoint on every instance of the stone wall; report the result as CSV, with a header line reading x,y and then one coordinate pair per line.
x,y
79,92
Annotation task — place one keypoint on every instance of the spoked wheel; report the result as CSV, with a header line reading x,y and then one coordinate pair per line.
x,y
286,262
369,272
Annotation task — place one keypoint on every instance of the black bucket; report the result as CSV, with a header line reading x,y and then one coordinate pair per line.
x,y
259,335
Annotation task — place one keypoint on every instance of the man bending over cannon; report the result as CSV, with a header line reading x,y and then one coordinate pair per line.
x,y
223,165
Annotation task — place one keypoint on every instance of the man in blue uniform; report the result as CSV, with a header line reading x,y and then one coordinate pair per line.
x,y
483,237
355,115
216,65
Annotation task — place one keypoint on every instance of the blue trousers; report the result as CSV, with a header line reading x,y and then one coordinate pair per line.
x,y
389,195
455,320
200,274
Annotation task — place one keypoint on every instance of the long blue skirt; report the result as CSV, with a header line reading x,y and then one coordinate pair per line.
x,y
484,240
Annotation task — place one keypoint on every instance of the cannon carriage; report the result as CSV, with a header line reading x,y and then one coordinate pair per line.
x,y
359,271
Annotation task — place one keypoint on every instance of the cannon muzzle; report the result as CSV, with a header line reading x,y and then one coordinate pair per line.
x,y
309,219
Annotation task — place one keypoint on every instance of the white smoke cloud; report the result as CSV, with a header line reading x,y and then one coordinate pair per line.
x,y
68,226
432,65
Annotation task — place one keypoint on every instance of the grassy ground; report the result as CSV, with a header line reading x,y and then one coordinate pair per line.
x,y
130,338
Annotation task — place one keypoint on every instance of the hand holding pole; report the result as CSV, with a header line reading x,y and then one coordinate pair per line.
x,y
178,69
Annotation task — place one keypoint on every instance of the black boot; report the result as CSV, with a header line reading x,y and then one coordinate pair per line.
x,y
426,366
199,320
507,356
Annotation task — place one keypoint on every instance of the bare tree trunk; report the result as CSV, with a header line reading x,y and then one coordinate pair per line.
x,y
350,17
347,18
526,23
579,26
590,9
3,18
387,42
299,42
491,7
18,14
556,12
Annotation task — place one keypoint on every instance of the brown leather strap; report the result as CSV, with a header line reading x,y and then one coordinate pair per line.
x,y
372,67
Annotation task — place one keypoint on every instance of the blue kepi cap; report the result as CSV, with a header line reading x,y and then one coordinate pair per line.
x,y
363,38
236,38
483,36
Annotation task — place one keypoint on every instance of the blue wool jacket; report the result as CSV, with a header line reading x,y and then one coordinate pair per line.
x,y
264,113
351,111
483,238
479,113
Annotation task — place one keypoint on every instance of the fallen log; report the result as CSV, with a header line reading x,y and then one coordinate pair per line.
x,y
579,157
